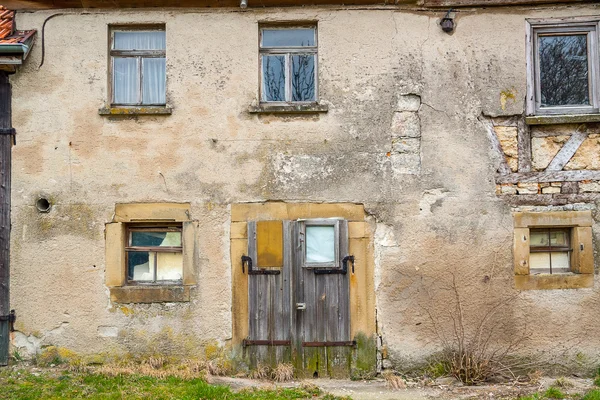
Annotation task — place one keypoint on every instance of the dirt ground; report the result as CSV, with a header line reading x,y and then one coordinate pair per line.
x,y
442,389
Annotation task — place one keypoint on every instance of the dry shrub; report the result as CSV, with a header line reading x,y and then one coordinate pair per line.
x,y
219,367
393,381
283,373
260,372
478,340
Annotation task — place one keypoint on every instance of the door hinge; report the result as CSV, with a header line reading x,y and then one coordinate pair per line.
x,y
11,318
251,271
343,270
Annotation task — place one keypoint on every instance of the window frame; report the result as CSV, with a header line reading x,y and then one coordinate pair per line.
x,y
287,52
581,269
552,249
562,26
336,223
173,227
139,55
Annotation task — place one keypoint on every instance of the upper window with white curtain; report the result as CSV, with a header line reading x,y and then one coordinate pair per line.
x,y
138,66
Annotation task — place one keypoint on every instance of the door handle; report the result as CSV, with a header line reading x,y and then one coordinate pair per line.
x,y
300,306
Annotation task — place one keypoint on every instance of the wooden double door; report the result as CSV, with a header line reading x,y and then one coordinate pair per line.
x,y
300,314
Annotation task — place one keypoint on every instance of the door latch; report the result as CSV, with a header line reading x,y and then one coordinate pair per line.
x,y
300,306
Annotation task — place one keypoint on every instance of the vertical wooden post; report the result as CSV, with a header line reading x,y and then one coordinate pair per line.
x,y
5,172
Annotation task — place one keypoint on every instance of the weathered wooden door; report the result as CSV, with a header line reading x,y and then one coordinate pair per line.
x,y
300,312
321,298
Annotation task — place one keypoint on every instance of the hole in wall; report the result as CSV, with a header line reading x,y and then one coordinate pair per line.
x,y
43,205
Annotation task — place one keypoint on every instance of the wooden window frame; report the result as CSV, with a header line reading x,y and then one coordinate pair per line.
x,y
288,52
176,227
581,274
562,26
336,264
554,249
140,55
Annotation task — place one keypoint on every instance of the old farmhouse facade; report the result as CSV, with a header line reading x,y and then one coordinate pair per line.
x,y
332,184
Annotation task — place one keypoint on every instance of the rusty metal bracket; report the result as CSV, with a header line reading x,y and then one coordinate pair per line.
x,y
351,343
252,271
343,270
247,342
11,318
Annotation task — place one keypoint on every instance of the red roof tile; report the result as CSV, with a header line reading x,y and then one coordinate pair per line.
x,y
8,34
7,19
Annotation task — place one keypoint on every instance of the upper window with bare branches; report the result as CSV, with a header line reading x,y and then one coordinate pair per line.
x,y
563,67
288,64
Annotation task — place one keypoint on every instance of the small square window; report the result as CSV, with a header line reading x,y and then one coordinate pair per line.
x,y
563,72
550,251
138,66
553,250
288,64
321,243
154,255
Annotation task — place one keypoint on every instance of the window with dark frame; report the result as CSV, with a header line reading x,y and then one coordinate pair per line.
x,y
288,64
550,250
564,68
138,66
154,254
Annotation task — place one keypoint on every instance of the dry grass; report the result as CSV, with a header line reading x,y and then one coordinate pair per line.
x,y
260,372
156,368
283,373
393,381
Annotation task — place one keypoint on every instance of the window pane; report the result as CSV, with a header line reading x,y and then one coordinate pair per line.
x,y
170,266
150,239
273,69
140,265
125,80
140,40
559,238
288,37
320,244
560,261
539,262
564,70
538,238
154,78
303,77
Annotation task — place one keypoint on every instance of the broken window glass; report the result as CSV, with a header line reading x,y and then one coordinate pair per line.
x,y
154,255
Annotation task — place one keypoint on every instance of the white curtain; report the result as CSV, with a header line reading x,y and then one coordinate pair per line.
x,y
320,244
125,80
140,40
154,81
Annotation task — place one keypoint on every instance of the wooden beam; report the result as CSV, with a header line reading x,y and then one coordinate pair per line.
x,y
568,150
524,146
471,3
6,142
549,199
550,176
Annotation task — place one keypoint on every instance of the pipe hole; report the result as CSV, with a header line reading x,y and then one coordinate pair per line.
x,y
43,205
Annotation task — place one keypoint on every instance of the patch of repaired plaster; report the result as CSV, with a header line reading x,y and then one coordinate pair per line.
x,y
108,331
27,345
431,200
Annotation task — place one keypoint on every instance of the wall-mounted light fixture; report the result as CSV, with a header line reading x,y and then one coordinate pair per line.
x,y
447,23
243,3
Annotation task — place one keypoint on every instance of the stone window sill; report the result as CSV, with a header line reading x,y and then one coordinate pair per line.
x,y
265,108
561,119
554,281
150,294
150,110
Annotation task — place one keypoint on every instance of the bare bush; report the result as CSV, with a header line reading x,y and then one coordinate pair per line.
x,y
478,340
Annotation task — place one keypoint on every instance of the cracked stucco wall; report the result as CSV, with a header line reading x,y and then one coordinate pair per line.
x,y
401,136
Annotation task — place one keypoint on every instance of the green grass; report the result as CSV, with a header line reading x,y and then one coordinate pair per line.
x,y
554,393
26,385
